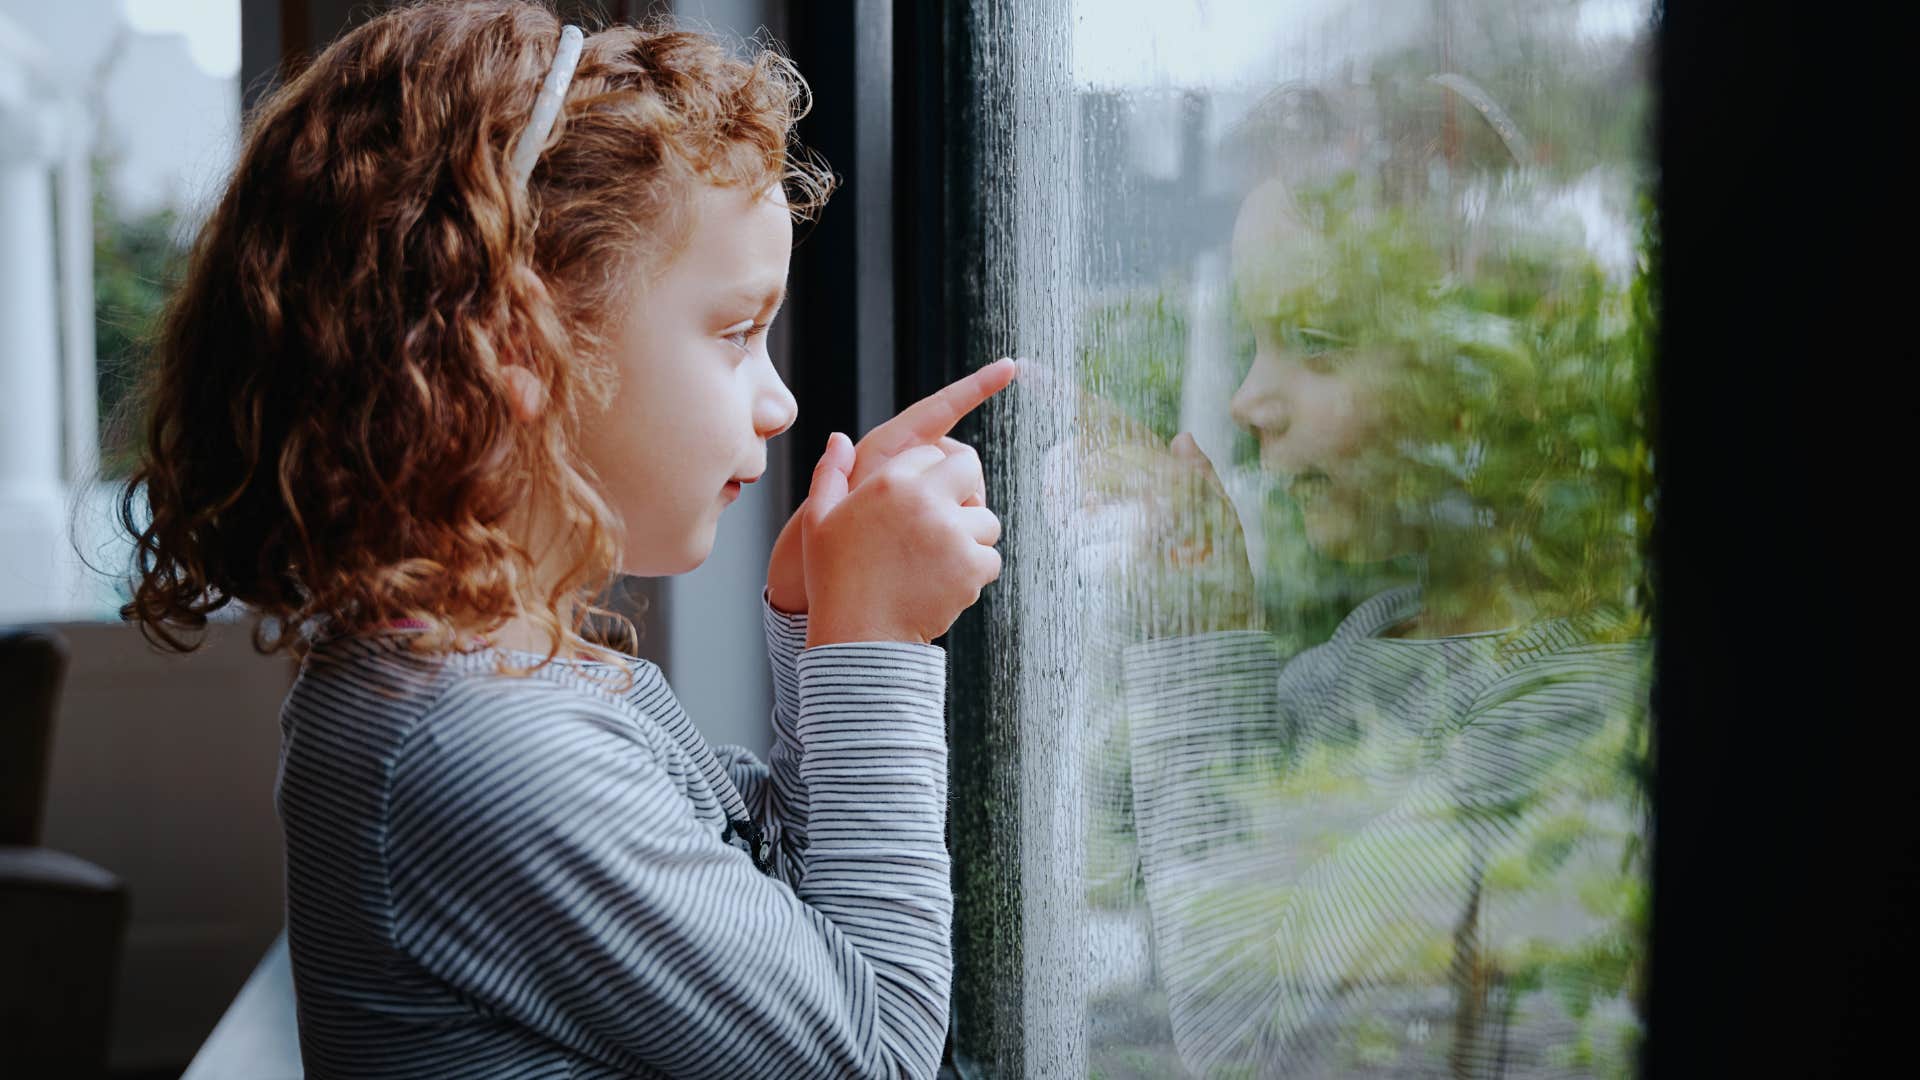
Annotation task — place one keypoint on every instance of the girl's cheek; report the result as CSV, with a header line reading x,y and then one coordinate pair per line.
x,y
1358,417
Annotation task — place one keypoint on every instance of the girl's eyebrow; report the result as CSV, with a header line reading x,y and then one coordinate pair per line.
x,y
763,299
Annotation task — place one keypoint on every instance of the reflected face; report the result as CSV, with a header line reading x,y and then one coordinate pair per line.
x,y
1317,408
698,396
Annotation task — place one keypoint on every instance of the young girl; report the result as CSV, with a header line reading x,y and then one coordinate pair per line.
x,y
479,322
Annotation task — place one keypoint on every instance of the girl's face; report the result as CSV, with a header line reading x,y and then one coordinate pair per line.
x,y
1318,410
698,396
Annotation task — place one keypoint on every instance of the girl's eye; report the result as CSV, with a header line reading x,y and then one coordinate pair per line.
x,y
1314,339
742,339
1319,350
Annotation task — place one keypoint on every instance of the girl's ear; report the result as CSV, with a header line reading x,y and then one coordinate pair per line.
x,y
526,396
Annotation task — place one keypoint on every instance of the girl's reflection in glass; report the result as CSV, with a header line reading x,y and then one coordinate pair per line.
x,y
1415,847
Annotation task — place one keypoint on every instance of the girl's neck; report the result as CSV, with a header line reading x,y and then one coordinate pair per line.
x,y
531,525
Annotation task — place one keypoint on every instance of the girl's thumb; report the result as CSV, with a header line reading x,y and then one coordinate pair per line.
x,y
1187,449
830,476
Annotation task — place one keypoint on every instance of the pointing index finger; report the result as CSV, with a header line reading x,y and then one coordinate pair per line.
x,y
933,416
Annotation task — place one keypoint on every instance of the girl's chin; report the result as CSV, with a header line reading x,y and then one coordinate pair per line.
x,y
685,557
1335,533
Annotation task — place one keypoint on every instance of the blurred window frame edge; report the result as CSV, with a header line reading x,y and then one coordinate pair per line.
x,y
59,161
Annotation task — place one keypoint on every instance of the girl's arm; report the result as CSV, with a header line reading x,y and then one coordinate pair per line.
x,y
544,865
775,793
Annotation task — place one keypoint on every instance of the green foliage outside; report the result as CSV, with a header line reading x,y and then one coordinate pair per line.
x,y
136,262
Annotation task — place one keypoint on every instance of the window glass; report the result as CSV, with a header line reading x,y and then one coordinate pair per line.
x,y
1322,649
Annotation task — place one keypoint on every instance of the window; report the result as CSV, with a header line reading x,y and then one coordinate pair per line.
x,y
1307,733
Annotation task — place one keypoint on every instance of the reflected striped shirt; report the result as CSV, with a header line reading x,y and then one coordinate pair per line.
x,y
1331,844
491,876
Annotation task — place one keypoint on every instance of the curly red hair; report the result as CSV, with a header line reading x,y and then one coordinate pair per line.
x,y
329,438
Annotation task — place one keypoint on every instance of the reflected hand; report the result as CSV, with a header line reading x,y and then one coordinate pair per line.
x,y
924,423
1186,569
1191,550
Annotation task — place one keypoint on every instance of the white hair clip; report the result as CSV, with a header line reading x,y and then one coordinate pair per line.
x,y
546,107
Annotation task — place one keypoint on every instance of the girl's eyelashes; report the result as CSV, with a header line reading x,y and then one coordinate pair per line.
x,y
742,338
1320,351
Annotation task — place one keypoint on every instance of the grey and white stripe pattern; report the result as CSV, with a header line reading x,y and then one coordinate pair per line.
x,y
491,876
1312,835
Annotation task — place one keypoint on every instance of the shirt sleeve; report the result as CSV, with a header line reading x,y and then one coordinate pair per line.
x,y
543,864
774,791
1200,711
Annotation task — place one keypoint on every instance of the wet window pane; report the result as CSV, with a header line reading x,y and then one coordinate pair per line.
x,y
1320,666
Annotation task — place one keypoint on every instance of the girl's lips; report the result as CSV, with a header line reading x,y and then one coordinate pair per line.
x,y
731,490
1309,483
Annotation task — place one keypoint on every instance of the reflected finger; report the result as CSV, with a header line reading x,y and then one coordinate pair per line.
x,y
1187,449
1130,471
1097,418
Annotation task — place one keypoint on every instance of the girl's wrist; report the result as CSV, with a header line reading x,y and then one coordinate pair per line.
x,y
824,629
786,602
787,571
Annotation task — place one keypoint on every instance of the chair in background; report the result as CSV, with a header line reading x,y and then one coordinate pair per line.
x,y
62,919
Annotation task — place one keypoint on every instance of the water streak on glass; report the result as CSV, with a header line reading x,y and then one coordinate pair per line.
x,y
1317,710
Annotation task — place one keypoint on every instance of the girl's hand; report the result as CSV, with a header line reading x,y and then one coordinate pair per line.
x,y
925,423
901,556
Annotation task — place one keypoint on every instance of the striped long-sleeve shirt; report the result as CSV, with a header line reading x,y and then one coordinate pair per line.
x,y
494,876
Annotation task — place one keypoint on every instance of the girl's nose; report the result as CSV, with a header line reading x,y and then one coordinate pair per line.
x,y
1258,406
775,409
